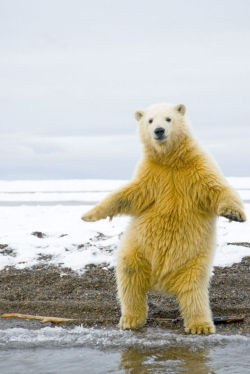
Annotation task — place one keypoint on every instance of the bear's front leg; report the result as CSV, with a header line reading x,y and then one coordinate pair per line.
x,y
117,202
132,273
194,305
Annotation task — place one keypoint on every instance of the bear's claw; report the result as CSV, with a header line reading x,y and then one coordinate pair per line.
x,y
234,215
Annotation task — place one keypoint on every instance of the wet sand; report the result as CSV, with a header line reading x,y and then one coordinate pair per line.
x,y
91,298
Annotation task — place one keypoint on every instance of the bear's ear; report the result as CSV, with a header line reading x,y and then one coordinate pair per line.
x,y
181,108
139,115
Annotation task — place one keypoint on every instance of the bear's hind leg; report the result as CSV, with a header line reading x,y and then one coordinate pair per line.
x,y
194,305
133,278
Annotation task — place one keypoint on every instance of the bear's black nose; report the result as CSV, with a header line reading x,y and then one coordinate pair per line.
x,y
159,132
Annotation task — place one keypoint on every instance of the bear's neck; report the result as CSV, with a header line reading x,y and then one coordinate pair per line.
x,y
178,155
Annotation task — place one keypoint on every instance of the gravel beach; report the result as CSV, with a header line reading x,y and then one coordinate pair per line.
x,y
90,299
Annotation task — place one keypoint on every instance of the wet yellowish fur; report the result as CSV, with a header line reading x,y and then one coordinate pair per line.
x,y
173,198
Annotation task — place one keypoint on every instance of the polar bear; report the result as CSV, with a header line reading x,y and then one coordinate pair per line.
x,y
174,197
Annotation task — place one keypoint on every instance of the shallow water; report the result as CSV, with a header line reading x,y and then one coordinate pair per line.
x,y
98,351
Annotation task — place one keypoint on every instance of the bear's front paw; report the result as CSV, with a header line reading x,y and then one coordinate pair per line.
x,y
131,322
93,215
233,214
200,328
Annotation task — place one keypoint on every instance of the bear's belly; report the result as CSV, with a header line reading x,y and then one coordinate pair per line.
x,y
170,240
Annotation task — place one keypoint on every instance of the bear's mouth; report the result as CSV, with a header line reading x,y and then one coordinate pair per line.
x,y
160,139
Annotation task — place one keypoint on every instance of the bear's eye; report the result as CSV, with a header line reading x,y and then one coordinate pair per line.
x,y
151,120
168,119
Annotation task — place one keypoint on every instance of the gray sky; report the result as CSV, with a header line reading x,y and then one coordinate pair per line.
x,y
72,74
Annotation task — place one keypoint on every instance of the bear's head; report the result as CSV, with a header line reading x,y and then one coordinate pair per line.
x,y
162,126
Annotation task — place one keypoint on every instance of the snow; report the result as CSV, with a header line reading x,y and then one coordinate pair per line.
x,y
55,207
72,242
243,182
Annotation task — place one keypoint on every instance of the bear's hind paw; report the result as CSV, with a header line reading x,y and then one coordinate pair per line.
x,y
200,328
131,322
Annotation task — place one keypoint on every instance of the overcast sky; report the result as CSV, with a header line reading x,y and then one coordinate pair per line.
x,y
72,74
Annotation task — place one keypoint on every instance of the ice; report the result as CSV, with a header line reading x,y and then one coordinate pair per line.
x,y
59,186
107,350
111,338
54,208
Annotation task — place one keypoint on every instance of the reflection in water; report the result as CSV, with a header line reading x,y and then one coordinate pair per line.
x,y
171,360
